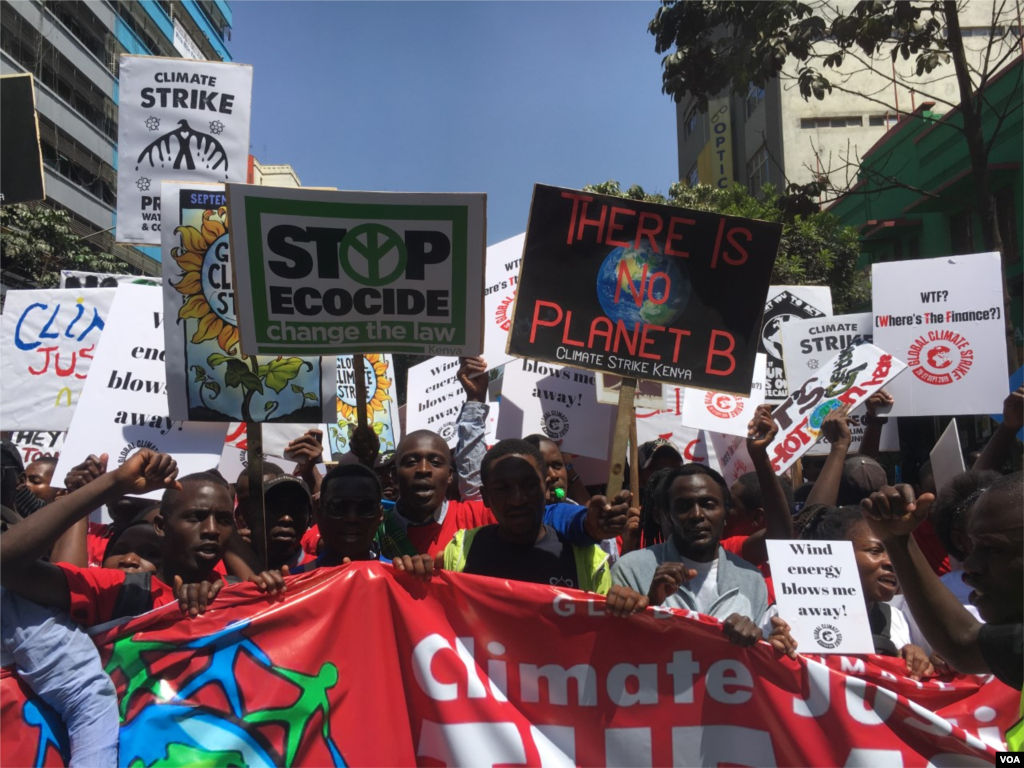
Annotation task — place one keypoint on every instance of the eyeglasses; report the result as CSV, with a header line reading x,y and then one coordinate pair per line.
x,y
364,508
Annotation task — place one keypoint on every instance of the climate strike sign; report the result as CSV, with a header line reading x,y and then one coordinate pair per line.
x,y
324,272
642,290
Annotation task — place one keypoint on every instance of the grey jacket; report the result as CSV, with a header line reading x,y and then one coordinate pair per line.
x,y
741,587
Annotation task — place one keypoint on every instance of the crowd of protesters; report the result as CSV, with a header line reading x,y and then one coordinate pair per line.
x,y
942,575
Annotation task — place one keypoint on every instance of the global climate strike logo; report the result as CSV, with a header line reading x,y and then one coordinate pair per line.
x,y
722,405
555,424
827,636
940,357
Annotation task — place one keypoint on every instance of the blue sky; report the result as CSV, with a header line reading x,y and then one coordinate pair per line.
x,y
459,97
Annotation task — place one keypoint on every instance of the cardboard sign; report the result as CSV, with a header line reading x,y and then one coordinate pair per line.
x,y
124,402
35,445
178,120
434,398
381,410
557,402
722,412
889,440
503,260
49,343
787,303
947,457
234,457
208,379
325,273
649,394
851,377
945,318
73,278
276,438
21,156
642,290
818,590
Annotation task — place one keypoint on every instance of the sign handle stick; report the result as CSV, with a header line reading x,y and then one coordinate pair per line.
x,y
634,462
620,439
359,373
798,474
254,471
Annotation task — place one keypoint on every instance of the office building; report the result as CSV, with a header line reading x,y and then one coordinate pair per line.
x,y
72,47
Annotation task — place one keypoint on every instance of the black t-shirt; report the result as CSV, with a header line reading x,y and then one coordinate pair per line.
x,y
1002,648
548,561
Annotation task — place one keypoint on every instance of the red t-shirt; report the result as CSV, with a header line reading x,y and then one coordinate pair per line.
x,y
94,591
96,541
734,544
430,538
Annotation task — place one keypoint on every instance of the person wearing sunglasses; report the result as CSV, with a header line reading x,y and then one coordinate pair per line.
x,y
348,517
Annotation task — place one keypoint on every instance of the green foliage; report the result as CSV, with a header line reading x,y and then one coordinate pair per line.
x,y
751,42
38,243
815,248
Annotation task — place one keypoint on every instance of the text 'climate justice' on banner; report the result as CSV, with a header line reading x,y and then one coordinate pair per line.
x,y
321,272
642,290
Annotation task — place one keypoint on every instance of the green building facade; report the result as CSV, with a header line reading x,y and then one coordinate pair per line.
x,y
915,193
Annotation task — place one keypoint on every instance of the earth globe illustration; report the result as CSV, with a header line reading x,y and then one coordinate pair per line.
x,y
656,308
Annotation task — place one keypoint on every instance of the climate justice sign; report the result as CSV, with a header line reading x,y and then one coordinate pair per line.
x,y
642,290
321,272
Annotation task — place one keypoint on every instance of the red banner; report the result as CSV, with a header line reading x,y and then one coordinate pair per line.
x,y
362,666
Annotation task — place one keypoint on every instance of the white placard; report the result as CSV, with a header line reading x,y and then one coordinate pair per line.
x,y
721,411
947,457
124,402
434,398
786,303
277,436
49,343
731,454
234,458
559,402
35,445
500,292
178,120
944,317
818,591
889,440
663,424
808,344
850,378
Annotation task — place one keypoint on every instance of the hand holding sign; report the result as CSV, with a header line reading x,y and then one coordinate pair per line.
x,y
836,426
82,474
606,521
881,400
471,377
761,430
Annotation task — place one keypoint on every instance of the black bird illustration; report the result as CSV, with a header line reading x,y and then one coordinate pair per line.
x,y
191,145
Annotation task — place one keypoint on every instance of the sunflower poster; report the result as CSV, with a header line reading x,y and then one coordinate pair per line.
x,y
208,378
381,409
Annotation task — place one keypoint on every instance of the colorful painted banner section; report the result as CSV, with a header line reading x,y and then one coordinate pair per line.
x,y
381,405
361,666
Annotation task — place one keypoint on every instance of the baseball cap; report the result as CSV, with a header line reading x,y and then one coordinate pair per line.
x,y
647,451
286,489
862,476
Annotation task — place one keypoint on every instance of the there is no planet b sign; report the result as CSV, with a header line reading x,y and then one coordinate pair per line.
x,y
643,290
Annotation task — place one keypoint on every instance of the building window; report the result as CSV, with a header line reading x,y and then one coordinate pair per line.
x,y
755,96
1006,215
690,122
691,178
757,170
961,233
887,120
819,123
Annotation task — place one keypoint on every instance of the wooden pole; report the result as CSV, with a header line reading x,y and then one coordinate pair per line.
x,y
634,461
359,372
798,474
620,439
254,471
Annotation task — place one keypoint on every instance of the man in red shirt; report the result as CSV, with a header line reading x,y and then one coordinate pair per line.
x,y
194,525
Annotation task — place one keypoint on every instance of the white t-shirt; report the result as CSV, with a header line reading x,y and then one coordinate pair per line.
x,y
705,584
